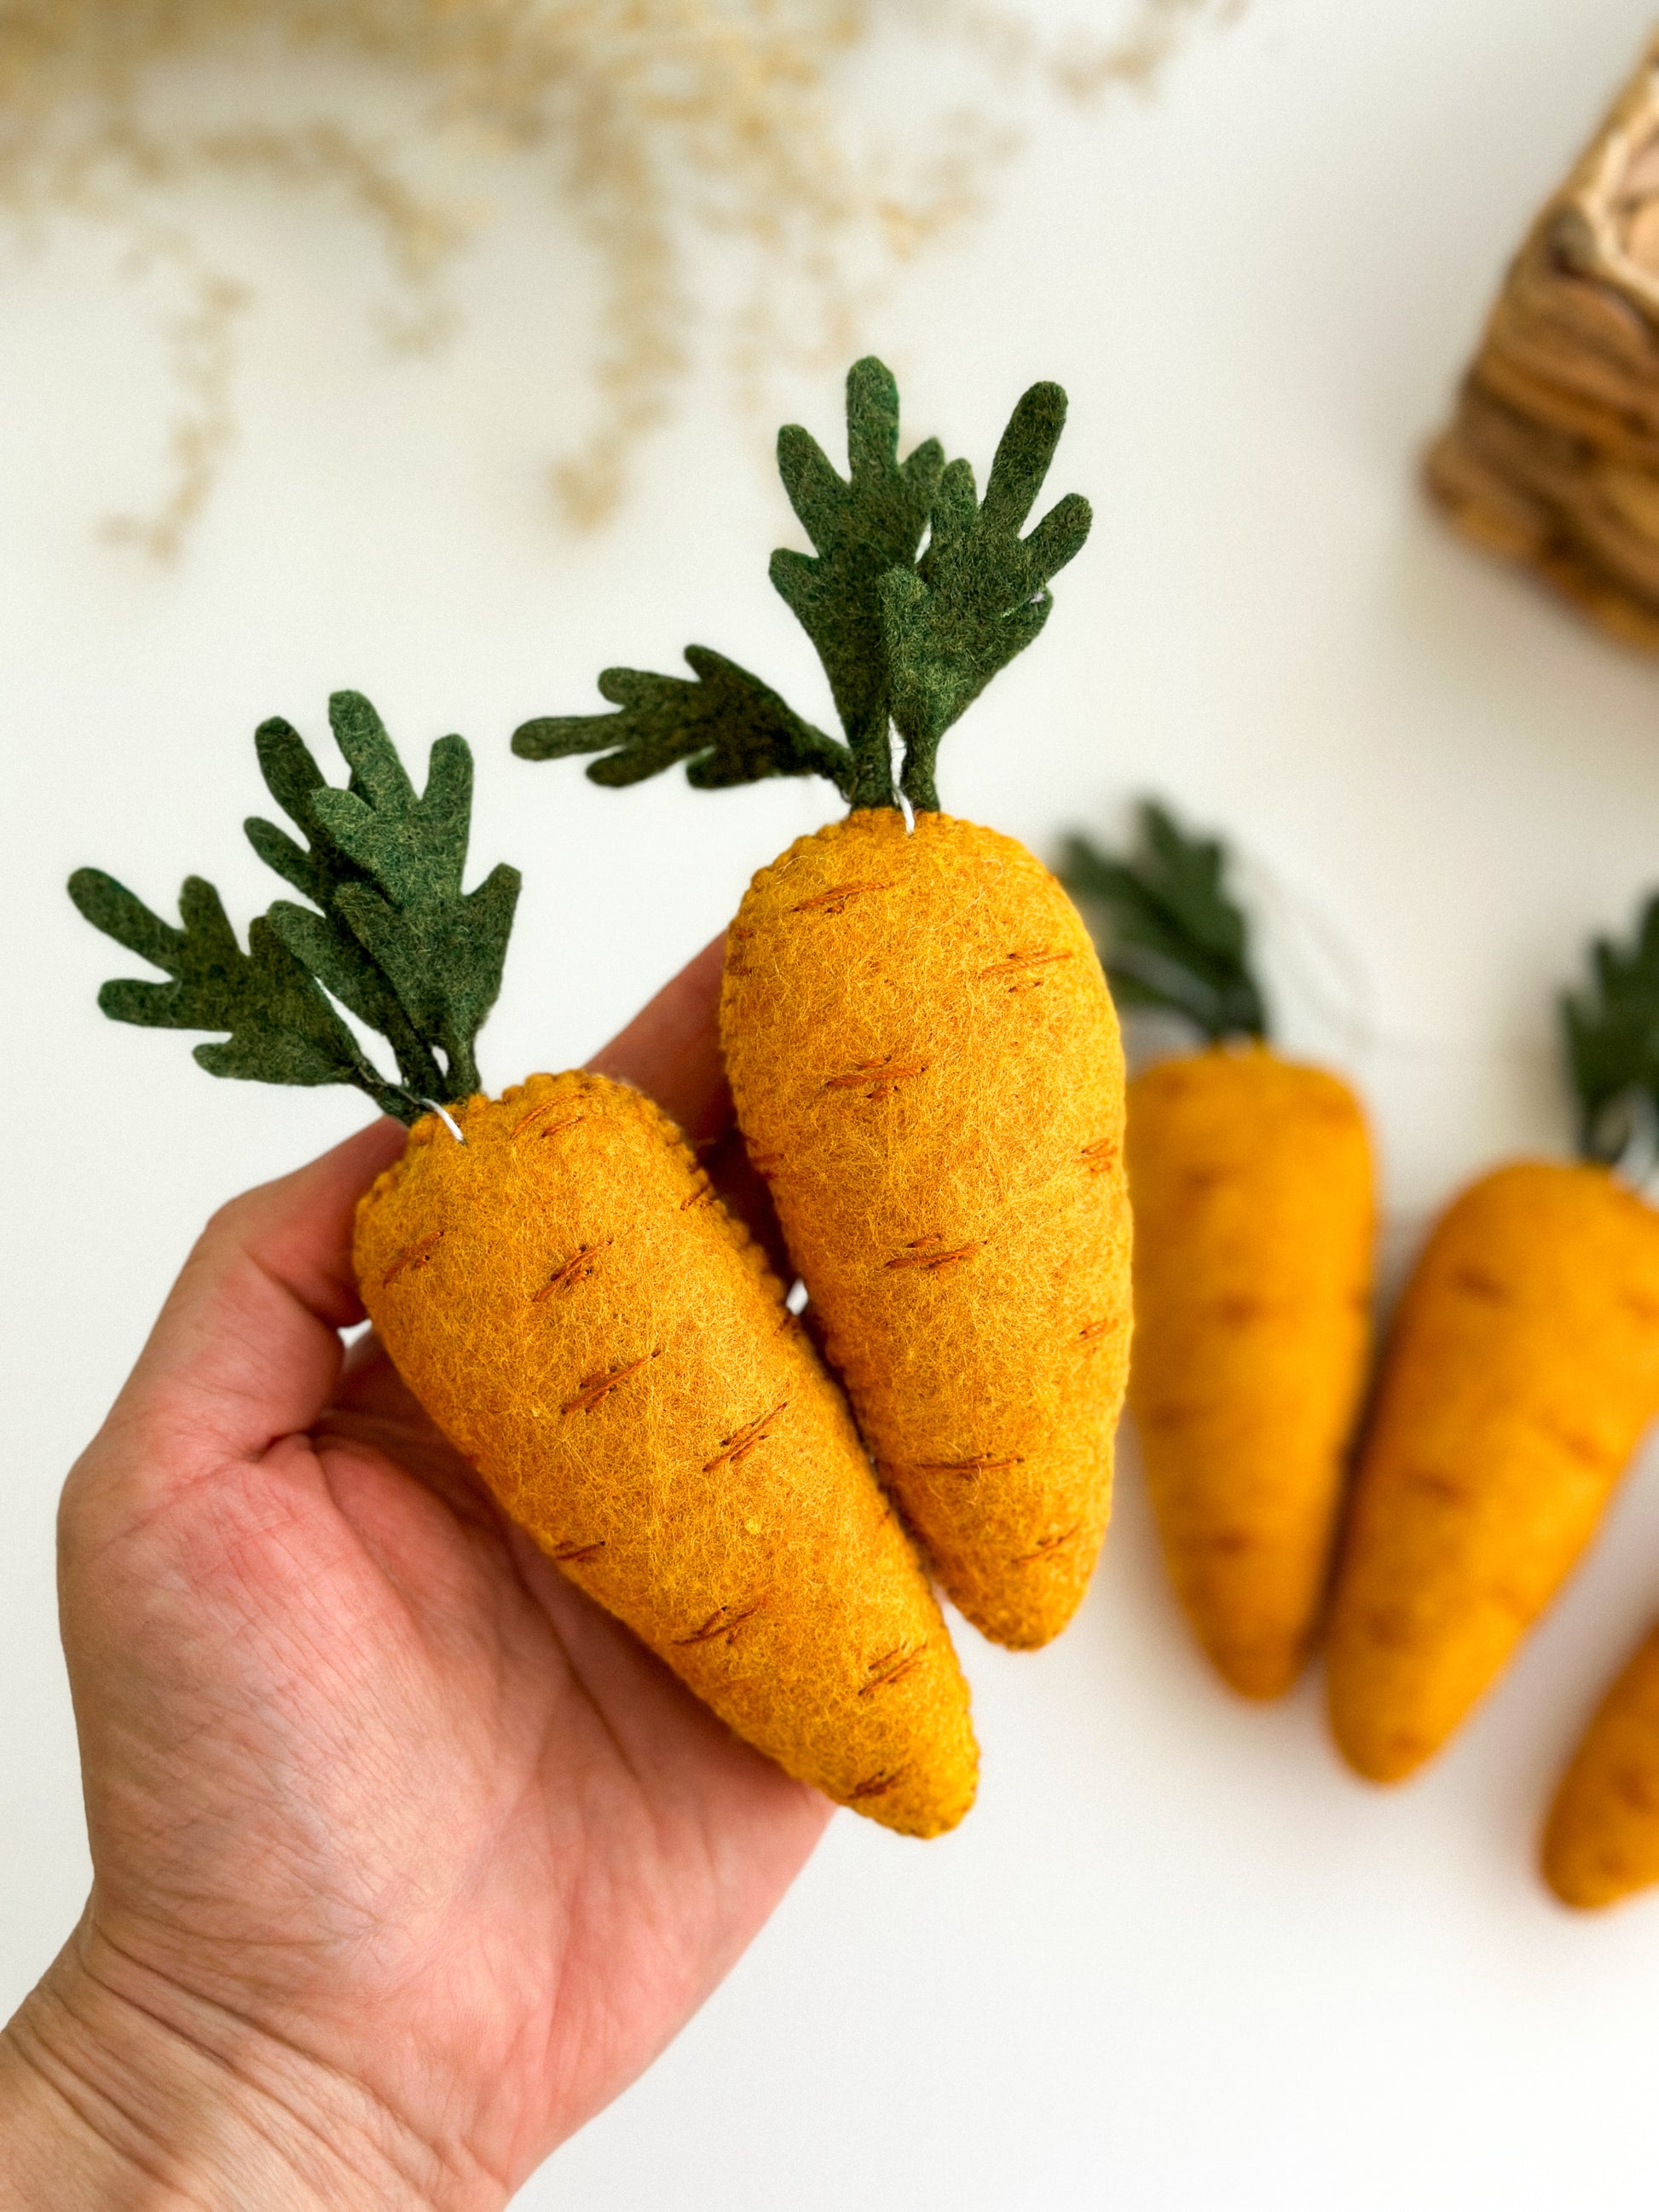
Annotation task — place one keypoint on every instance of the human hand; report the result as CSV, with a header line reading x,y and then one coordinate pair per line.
x,y
406,1858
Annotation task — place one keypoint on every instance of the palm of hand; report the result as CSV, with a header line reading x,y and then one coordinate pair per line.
x,y
364,1774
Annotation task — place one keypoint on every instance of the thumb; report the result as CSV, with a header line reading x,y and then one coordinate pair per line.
x,y
246,1348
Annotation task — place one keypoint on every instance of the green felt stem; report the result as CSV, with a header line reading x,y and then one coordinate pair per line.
x,y
915,595
391,934
1170,935
323,942
1611,1033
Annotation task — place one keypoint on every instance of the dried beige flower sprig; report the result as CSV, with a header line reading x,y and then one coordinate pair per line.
x,y
655,121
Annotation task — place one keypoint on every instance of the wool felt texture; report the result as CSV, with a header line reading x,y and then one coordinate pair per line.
x,y
281,1026
1252,1184
1519,1375
567,1297
1253,1187
1612,1034
392,934
979,594
1173,936
1601,1839
726,726
861,528
927,1072
397,939
906,635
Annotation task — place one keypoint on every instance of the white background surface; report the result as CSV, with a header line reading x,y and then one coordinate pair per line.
x,y
1176,1961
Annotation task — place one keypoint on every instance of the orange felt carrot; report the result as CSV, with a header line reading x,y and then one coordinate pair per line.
x,y
1601,1840
1520,1373
922,1051
1252,1184
565,1294
927,1072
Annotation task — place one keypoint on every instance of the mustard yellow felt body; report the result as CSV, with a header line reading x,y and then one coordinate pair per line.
x,y
1601,1841
580,1316
1252,1189
1519,1375
927,1072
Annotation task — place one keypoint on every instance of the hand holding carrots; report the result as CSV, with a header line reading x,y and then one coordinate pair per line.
x,y
560,1285
408,1857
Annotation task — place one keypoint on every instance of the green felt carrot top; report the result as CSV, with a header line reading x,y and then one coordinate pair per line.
x,y
1612,1030
389,933
1170,934
909,634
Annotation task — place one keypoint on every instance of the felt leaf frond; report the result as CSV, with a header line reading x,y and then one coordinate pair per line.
x,y
980,593
1169,933
909,638
324,941
281,1026
861,527
440,949
1613,1039
390,933
726,726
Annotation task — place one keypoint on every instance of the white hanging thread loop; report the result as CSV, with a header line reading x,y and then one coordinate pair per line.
x,y
1625,1135
446,1118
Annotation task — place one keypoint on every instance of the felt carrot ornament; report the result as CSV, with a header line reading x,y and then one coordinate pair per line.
x,y
563,1292
923,1057
1601,1840
1521,1370
1252,1184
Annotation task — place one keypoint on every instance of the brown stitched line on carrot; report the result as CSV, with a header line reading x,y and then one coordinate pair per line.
x,y
1022,964
1038,956
1174,1413
1229,1543
1632,1788
1101,1154
980,1463
1391,1627
833,901
916,1254
1428,1483
1575,1443
877,1786
1479,1284
892,1666
596,1388
536,1113
576,1269
1048,1547
725,1621
1092,1331
702,1196
571,1555
737,1447
413,1256
880,1074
